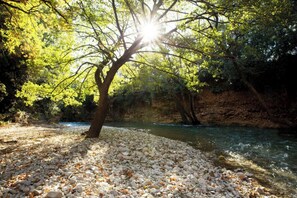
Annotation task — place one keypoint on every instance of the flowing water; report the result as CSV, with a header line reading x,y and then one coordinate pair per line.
x,y
263,152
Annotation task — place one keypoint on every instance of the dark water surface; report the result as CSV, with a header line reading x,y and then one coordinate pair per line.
x,y
263,150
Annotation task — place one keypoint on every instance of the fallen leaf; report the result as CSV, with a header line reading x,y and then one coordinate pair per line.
x,y
124,191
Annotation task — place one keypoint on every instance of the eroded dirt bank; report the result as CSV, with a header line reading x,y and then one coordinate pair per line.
x,y
225,108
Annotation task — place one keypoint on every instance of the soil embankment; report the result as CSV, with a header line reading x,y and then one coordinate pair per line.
x,y
226,108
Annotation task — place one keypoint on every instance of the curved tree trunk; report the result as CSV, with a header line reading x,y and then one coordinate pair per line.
x,y
182,112
185,106
103,84
99,116
195,120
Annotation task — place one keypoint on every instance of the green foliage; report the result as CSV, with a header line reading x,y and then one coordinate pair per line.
x,y
252,33
44,39
3,92
34,92
21,117
64,45
3,123
78,113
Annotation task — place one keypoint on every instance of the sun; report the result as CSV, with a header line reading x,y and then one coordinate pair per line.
x,y
150,32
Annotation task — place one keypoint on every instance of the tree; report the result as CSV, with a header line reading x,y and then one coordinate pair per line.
x,y
160,77
37,31
257,34
121,31
108,35
176,78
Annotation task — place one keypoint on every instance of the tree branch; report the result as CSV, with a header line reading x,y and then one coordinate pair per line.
x,y
118,24
50,5
76,76
134,15
82,83
14,7
169,54
168,9
154,66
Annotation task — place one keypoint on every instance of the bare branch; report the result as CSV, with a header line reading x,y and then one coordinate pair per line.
x,y
175,11
133,14
169,54
144,6
74,76
85,78
118,23
49,4
168,9
79,58
177,20
13,6
81,5
184,47
154,66
155,9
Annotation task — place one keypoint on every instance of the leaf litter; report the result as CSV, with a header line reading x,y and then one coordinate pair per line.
x,y
59,162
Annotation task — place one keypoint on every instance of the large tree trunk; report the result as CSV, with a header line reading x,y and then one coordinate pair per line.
x,y
99,116
182,112
185,106
195,120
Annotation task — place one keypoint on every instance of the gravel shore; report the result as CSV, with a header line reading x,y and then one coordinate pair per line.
x,y
59,162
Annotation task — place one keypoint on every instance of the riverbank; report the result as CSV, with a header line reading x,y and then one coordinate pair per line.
x,y
227,108
59,162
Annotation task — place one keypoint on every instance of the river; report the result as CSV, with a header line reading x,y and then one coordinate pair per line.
x,y
270,157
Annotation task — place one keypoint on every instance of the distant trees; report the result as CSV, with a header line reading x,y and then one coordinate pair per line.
x,y
154,82
258,35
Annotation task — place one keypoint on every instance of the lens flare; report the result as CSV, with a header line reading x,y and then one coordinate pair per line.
x,y
150,32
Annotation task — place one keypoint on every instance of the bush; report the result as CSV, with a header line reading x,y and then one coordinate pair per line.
x,y
21,117
3,123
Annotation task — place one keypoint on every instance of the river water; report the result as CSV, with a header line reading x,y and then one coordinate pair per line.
x,y
263,152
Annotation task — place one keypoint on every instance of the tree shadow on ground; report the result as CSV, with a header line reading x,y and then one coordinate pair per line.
x,y
36,161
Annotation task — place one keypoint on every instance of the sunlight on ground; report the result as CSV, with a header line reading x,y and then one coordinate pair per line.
x,y
122,163
242,161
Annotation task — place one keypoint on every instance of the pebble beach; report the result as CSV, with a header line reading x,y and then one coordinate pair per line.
x,y
59,162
